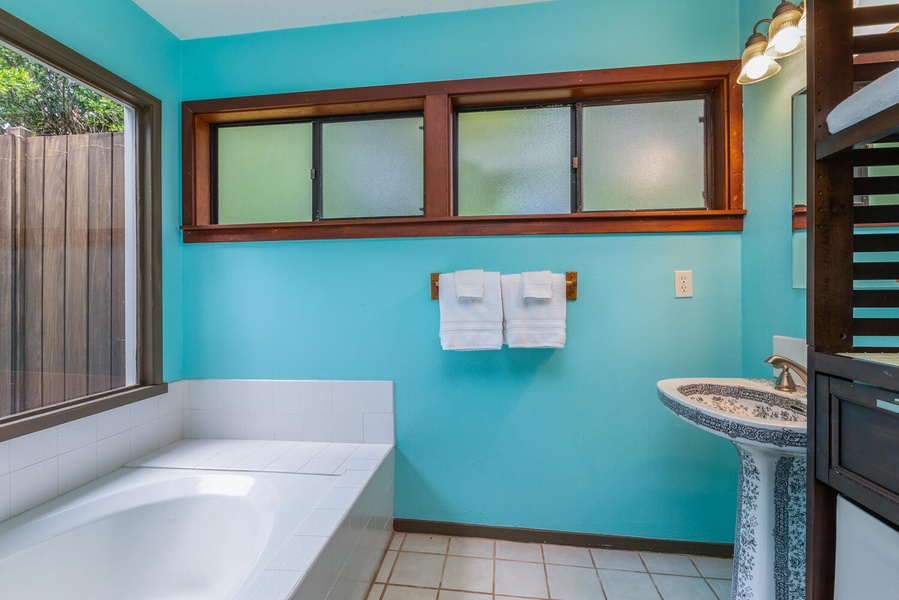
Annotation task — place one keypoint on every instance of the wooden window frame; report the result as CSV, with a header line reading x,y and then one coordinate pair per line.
x,y
148,184
438,101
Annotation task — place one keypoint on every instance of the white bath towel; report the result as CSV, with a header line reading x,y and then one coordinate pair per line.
x,y
537,284
534,322
469,284
471,323
878,95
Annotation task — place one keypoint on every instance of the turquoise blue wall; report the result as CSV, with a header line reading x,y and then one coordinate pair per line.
x,y
574,439
771,306
124,39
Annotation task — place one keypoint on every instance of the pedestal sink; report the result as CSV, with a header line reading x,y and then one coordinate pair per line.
x,y
768,428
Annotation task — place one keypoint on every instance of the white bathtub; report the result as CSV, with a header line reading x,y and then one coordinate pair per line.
x,y
147,533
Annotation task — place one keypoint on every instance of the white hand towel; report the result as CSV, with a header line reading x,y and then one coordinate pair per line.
x,y
469,284
534,322
537,284
471,323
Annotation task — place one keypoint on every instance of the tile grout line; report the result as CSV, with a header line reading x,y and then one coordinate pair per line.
x,y
602,588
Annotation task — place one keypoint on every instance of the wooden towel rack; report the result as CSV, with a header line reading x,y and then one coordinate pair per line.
x,y
570,285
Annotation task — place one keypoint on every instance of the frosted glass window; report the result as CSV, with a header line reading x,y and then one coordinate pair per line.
x,y
514,162
644,156
263,173
373,168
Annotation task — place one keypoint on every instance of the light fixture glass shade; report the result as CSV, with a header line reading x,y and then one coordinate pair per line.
x,y
784,36
803,22
757,66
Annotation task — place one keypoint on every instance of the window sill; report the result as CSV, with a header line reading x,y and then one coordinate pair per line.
x,y
583,223
50,416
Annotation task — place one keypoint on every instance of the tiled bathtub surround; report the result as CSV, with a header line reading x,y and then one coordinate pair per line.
x,y
37,467
314,411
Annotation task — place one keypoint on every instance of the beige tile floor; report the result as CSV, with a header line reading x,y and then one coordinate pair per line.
x,y
434,567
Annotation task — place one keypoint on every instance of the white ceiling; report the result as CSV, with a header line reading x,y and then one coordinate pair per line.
x,y
190,19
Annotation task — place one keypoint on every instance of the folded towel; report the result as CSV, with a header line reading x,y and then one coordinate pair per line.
x,y
469,284
537,284
471,323
534,322
878,95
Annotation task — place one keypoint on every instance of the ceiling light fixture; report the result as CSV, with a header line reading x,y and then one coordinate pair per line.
x,y
755,65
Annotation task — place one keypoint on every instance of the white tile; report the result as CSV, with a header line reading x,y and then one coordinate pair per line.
x,y
232,394
271,584
76,434
520,578
278,447
287,464
222,460
287,396
33,485
113,452
341,498
626,585
677,587
256,461
619,560
260,394
573,583
358,464
172,401
394,592
204,394
232,424
144,439
715,568
318,426
386,566
424,542
204,424
396,540
347,396
338,450
4,458
185,423
722,587
377,396
144,411
669,564
298,552
325,466
308,449
378,428
519,551
468,574
453,595
4,497
375,592
476,547
77,467
371,451
287,426
348,427
170,428
567,555
33,448
416,569
113,422
353,479
317,396
321,521
260,425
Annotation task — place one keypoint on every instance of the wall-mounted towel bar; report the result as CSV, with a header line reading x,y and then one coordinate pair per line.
x,y
570,285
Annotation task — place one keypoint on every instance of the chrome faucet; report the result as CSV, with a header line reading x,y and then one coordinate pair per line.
x,y
784,381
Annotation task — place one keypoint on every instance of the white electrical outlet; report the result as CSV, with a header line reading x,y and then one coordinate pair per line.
x,y
683,284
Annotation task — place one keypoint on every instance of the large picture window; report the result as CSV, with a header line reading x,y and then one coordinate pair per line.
x,y
79,261
644,149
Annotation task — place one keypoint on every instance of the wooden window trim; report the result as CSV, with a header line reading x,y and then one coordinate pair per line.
x,y
148,183
438,100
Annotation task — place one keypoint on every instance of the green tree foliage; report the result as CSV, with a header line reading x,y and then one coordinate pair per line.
x,y
48,103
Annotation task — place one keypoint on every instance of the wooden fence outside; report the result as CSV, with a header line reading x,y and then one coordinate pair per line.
x,y
62,268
